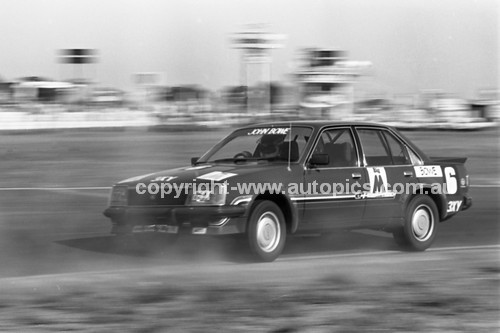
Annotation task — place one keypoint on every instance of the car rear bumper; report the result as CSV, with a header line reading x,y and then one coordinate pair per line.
x,y
209,220
467,202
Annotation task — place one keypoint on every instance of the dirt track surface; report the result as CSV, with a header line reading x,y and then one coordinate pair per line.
x,y
349,282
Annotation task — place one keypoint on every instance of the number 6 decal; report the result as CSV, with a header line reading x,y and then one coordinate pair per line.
x,y
451,180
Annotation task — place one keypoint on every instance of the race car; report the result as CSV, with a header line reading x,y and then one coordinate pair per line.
x,y
268,181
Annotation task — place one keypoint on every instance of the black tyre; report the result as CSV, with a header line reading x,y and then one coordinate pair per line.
x,y
420,224
266,231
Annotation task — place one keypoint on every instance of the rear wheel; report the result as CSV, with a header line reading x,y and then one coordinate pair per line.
x,y
266,231
419,228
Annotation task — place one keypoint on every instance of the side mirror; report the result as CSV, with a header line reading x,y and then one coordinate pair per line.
x,y
194,160
319,159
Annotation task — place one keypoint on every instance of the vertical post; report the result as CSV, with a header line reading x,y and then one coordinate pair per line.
x,y
247,91
269,90
353,108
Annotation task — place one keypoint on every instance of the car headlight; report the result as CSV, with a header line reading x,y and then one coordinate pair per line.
x,y
207,197
119,195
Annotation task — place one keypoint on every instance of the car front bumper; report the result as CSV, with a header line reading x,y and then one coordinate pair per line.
x,y
207,220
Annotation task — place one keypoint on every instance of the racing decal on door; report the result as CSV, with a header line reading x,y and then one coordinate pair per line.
x,y
379,187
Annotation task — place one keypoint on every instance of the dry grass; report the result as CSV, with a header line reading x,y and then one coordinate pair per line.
x,y
461,298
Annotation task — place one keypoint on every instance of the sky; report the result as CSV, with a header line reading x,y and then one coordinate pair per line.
x,y
450,45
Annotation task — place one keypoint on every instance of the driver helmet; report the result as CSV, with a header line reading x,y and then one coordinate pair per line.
x,y
269,145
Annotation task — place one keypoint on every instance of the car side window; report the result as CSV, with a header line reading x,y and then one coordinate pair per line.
x,y
338,144
374,147
398,150
381,147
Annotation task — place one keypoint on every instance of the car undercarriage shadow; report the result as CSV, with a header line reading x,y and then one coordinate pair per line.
x,y
341,241
109,244
230,249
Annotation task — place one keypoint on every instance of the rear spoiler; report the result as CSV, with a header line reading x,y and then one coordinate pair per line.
x,y
458,160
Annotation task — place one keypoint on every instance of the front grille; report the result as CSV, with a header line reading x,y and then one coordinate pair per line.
x,y
147,199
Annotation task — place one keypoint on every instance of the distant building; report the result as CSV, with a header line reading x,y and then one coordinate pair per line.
x,y
38,89
326,79
6,92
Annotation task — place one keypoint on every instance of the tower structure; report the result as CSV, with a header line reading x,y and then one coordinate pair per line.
x,y
256,66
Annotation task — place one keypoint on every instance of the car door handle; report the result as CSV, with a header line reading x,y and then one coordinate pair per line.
x,y
408,174
356,175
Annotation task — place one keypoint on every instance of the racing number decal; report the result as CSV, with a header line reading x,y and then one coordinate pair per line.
x,y
451,180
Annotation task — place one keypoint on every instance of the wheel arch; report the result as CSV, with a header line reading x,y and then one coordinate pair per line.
x,y
438,198
288,208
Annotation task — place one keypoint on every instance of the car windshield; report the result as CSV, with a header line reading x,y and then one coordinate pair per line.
x,y
260,143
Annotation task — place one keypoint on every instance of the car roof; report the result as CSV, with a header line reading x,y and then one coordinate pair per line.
x,y
320,124
316,124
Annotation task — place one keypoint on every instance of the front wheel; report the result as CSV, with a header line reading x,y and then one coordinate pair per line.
x,y
419,228
266,231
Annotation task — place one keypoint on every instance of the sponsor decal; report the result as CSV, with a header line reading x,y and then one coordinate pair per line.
x,y
270,130
198,167
163,178
216,176
454,206
428,171
378,183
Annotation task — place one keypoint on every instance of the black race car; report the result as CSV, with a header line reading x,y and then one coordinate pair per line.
x,y
271,180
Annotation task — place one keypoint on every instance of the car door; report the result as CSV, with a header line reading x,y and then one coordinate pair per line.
x,y
330,200
389,169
